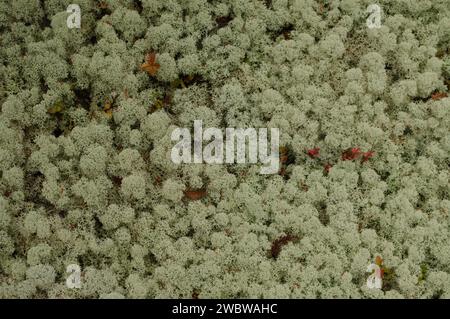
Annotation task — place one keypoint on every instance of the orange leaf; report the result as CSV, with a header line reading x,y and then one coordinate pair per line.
x,y
378,261
438,95
195,194
108,105
107,108
150,66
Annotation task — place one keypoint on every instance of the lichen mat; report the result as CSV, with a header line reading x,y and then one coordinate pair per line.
x,y
92,206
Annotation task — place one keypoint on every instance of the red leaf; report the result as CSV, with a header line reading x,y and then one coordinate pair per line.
x,y
351,154
313,152
366,156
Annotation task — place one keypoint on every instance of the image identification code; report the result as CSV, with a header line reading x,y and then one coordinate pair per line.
x,y
226,308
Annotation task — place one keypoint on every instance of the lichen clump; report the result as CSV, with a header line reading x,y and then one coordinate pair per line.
x,y
87,179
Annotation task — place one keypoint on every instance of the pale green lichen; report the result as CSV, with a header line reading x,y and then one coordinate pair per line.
x,y
86,175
